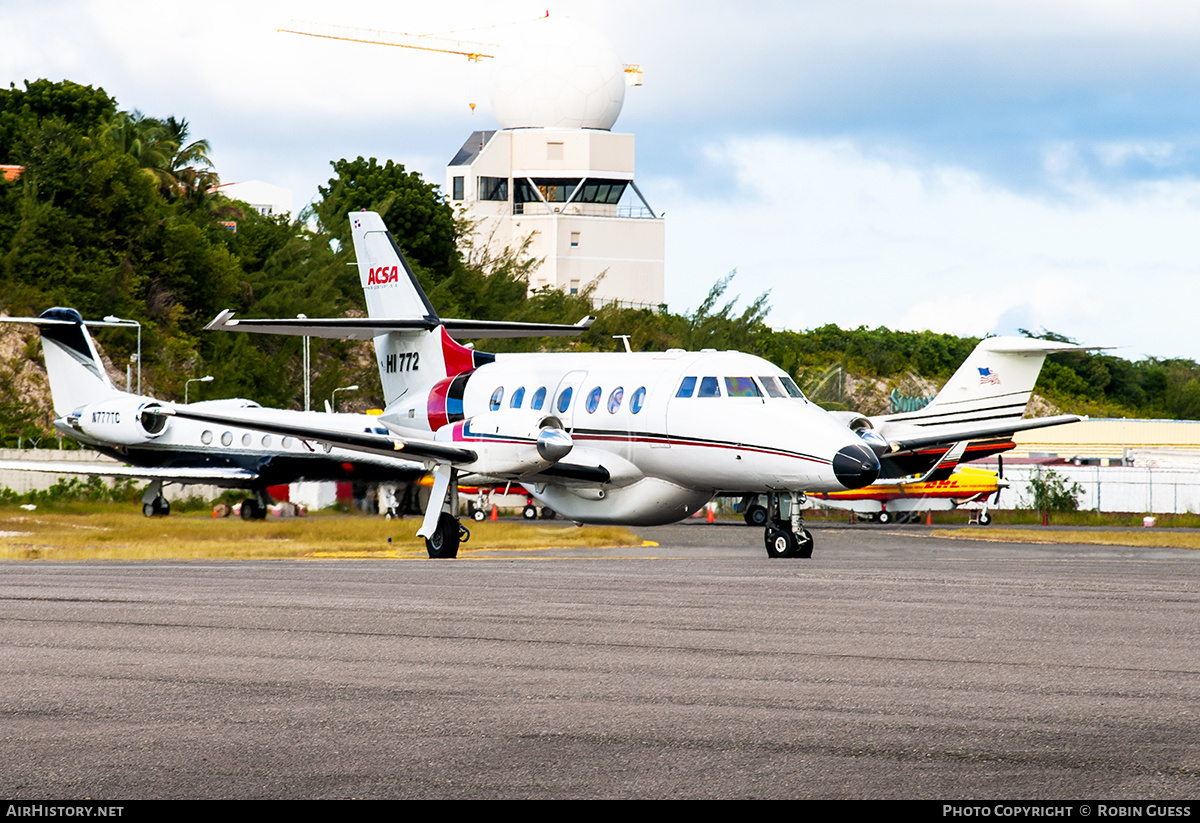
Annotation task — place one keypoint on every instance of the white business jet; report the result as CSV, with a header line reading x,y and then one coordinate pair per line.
x,y
121,425
628,438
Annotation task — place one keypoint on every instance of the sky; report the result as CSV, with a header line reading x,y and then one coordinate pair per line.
x,y
967,167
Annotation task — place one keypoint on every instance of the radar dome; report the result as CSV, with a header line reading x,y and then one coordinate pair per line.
x,y
557,74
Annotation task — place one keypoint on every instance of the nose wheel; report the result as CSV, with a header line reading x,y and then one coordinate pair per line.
x,y
787,538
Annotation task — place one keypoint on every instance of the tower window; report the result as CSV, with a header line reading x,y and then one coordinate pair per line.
x,y
493,188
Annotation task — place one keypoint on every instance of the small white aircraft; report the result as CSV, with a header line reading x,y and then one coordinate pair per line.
x,y
121,425
628,438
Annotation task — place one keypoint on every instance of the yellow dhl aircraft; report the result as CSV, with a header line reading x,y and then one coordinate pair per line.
x,y
902,501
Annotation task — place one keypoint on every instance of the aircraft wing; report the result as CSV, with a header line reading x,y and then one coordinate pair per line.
x,y
389,445
913,440
214,475
367,328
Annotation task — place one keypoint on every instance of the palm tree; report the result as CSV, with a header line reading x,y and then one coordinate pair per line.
x,y
179,170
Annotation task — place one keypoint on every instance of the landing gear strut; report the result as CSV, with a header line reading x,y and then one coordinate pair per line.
x,y
444,534
787,538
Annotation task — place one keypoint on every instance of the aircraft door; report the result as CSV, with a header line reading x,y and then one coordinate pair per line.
x,y
567,397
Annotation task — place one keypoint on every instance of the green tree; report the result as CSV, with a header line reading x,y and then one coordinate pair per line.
x,y
1051,492
415,212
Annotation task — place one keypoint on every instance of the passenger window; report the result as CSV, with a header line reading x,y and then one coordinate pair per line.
x,y
246,439
741,387
564,399
638,400
206,437
539,399
686,387
709,387
593,400
497,397
614,399
226,438
772,387
266,441
518,398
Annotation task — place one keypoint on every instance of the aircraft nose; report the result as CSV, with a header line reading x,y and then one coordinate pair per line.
x,y
855,466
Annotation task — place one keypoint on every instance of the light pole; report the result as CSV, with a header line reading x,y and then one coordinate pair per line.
x,y
208,378
333,397
111,320
307,395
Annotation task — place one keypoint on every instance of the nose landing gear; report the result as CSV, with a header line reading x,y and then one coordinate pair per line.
x,y
787,538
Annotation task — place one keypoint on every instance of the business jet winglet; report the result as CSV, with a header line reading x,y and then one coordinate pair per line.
x,y
650,437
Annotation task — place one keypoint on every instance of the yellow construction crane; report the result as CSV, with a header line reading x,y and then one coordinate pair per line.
x,y
474,51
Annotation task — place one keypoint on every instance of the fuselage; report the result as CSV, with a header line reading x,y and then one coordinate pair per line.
x,y
670,428
116,426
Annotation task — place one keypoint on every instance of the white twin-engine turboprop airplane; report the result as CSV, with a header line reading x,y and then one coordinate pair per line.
x,y
628,438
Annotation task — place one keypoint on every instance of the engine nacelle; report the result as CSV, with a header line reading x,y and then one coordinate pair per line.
x,y
124,421
511,441
861,425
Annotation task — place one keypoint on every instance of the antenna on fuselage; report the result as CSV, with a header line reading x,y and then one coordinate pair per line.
x,y
624,338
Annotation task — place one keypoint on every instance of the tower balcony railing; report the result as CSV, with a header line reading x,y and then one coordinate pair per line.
x,y
584,210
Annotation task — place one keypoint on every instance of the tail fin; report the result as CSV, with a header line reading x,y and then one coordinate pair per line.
x,y
409,359
389,285
73,365
991,387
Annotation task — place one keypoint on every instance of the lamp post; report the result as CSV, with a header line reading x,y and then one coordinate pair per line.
x,y
307,394
333,397
208,378
111,320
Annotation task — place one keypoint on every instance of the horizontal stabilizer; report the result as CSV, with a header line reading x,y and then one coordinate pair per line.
x,y
368,328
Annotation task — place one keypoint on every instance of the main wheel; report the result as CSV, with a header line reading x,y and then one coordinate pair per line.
x,y
984,518
158,507
780,543
548,513
883,517
755,515
444,541
250,509
529,512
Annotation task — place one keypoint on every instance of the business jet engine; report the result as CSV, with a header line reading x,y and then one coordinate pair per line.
x,y
861,425
124,421
511,442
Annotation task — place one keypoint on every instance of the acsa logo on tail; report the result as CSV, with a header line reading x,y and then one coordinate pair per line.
x,y
383,274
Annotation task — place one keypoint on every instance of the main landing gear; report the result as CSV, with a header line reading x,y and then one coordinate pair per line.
x,y
153,502
787,538
444,535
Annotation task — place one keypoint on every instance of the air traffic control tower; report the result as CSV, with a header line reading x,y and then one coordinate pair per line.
x,y
555,175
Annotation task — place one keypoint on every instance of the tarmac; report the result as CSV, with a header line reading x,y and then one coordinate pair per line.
x,y
893,664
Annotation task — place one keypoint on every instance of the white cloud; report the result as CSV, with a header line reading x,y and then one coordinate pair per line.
x,y
840,236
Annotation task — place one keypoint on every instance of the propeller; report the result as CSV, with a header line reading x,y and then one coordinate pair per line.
x,y
999,486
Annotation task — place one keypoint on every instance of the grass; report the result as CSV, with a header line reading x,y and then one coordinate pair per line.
x,y
1150,538
125,535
